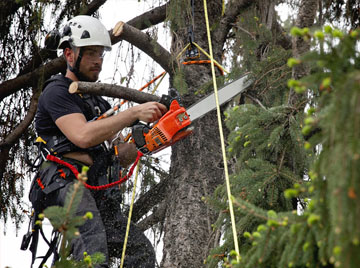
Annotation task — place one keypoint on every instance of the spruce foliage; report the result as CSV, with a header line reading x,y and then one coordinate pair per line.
x,y
296,179
66,222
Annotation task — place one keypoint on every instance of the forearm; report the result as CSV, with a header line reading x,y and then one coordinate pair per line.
x,y
87,134
105,129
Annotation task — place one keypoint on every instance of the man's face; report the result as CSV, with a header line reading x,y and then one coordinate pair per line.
x,y
91,62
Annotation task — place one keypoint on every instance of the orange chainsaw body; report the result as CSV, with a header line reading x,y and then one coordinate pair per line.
x,y
172,127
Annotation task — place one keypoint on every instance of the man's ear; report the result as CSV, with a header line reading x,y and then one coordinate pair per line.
x,y
69,55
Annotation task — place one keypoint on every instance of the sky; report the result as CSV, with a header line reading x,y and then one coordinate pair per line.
x,y
111,12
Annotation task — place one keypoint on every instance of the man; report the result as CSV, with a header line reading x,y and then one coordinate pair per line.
x,y
68,127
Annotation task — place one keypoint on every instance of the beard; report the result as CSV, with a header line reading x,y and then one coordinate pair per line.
x,y
89,76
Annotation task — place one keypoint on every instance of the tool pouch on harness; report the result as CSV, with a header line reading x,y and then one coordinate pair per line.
x,y
46,181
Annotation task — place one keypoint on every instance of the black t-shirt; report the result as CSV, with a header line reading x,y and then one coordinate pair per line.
x,y
56,101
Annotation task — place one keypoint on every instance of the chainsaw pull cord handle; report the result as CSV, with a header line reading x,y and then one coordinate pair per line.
x,y
231,209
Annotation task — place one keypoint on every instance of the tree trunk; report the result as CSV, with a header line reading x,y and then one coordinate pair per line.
x,y
196,163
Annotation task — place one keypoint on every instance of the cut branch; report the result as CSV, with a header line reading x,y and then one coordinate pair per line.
x,y
114,91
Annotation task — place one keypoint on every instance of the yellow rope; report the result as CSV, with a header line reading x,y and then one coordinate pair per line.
x,y
133,193
222,137
223,8
210,57
182,52
129,217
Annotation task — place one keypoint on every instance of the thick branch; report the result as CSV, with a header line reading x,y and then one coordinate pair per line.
x,y
150,199
157,216
150,18
31,79
19,130
114,91
233,9
123,31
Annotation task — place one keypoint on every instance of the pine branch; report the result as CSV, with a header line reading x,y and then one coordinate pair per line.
x,y
255,100
14,136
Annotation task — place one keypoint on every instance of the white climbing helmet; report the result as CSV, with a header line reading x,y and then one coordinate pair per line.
x,y
83,31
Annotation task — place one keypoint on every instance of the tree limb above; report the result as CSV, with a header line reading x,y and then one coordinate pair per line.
x,y
124,31
114,91
30,77
150,18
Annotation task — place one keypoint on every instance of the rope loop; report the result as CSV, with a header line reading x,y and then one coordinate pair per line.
x,y
57,160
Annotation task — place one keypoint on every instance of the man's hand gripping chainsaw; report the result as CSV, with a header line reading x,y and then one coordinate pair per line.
x,y
172,127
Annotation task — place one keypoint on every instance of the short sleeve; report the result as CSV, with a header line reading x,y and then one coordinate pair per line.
x,y
57,101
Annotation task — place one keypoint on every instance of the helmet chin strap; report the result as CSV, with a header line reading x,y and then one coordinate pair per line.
x,y
76,68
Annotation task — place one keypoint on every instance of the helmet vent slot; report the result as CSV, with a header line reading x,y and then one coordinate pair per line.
x,y
85,35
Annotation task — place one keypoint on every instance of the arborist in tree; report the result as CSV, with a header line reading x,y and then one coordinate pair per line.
x,y
68,129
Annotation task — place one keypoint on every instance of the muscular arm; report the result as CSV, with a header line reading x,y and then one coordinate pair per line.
x,y
87,134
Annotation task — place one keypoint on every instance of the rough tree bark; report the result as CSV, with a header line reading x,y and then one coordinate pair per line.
x,y
306,17
196,162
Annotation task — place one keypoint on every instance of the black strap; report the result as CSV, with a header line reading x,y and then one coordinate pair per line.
x,y
34,244
52,248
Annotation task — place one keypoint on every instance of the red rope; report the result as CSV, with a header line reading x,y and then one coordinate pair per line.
x,y
91,187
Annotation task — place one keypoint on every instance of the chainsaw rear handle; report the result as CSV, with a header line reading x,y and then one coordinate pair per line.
x,y
138,136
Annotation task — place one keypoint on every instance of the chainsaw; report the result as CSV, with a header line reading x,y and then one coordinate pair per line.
x,y
176,123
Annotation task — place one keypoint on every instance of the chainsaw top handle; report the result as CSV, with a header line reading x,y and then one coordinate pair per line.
x,y
173,94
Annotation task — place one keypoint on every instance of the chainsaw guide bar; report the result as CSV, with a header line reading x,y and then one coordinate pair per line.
x,y
175,124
